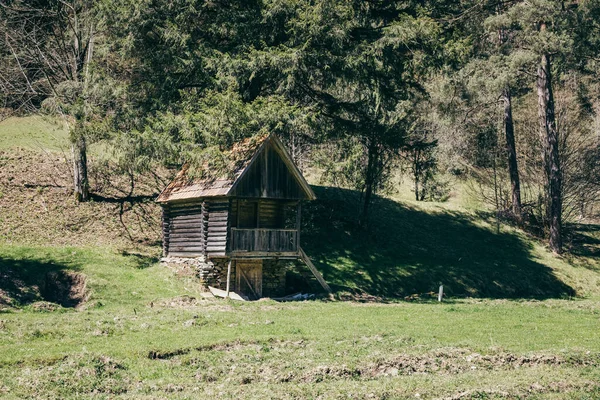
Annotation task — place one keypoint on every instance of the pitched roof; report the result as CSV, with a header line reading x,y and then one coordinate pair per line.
x,y
241,156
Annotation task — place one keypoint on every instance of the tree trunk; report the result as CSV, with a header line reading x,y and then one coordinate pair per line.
x,y
416,172
511,150
550,153
370,178
80,174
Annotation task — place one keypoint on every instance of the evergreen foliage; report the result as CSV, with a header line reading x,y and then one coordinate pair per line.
x,y
353,88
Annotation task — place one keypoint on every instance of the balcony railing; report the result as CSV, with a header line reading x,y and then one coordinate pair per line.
x,y
264,240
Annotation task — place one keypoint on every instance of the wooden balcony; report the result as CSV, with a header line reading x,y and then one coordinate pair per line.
x,y
281,242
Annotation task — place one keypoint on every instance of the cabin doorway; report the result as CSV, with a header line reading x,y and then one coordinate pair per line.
x,y
249,277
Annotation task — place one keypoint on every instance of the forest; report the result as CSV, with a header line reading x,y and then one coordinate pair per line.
x,y
504,94
453,148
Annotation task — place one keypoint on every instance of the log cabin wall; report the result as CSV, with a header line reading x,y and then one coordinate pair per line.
x,y
217,212
266,213
183,229
270,214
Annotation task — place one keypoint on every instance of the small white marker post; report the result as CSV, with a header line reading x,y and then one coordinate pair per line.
x,y
441,293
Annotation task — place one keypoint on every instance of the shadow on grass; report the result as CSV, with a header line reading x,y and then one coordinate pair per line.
x,y
584,240
25,281
141,261
122,200
407,251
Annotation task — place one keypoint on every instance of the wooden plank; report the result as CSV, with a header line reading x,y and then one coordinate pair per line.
x,y
190,235
180,213
184,254
184,209
190,217
189,227
215,243
217,228
216,214
247,282
184,232
195,237
223,294
215,249
298,222
212,208
187,217
186,248
314,271
217,236
212,219
186,242
180,238
228,277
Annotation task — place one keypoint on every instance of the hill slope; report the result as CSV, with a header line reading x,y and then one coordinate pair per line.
x,y
86,312
409,248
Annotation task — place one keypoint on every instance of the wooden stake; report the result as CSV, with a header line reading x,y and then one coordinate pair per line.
x,y
441,293
228,278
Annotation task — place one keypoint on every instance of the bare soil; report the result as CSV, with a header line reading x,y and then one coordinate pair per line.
x,y
69,289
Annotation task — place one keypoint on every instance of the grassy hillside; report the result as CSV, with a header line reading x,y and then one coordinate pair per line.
x,y
87,312
36,201
412,248
34,133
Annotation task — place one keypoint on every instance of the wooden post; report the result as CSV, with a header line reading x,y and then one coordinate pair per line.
x,y
315,272
228,278
298,224
441,293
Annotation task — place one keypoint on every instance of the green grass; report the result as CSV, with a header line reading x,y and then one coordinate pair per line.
x,y
411,249
34,133
136,340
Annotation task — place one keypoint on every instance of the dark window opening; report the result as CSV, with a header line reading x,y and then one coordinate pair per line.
x,y
247,215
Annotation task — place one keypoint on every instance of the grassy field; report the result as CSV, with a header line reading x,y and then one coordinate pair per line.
x,y
146,332
517,322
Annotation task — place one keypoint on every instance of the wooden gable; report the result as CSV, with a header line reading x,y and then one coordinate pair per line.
x,y
263,169
272,174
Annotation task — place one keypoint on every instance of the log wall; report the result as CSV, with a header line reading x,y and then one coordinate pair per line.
x,y
183,229
217,224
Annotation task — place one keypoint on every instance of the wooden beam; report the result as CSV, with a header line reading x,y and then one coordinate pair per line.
x,y
221,293
298,223
228,278
315,272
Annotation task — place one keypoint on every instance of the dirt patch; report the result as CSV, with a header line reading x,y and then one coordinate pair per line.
x,y
45,306
184,301
225,347
69,289
448,361
33,282
190,302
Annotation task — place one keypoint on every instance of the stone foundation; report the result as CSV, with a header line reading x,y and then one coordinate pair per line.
x,y
274,277
213,272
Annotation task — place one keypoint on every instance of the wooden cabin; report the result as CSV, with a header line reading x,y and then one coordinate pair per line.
x,y
246,223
